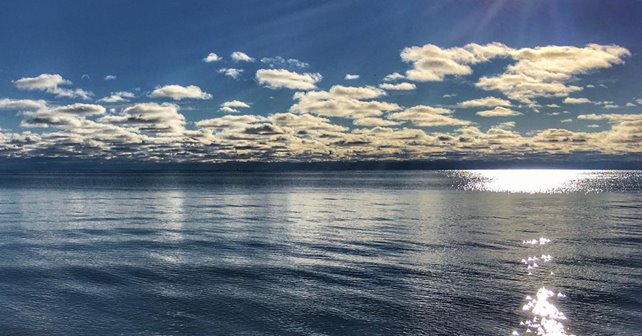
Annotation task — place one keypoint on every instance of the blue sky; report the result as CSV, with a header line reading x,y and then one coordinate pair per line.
x,y
471,87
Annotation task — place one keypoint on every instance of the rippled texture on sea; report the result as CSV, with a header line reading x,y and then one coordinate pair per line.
x,y
322,253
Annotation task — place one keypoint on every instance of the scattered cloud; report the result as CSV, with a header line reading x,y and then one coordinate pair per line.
x,y
374,121
118,97
505,125
212,57
484,102
149,117
343,101
351,77
546,71
233,106
432,63
177,92
571,100
281,78
498,111
22,104
280,62
110,77
393,77
231,72
405,86
428,116
51,83
239,56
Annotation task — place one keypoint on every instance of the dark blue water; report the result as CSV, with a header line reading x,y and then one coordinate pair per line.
x,y
313,253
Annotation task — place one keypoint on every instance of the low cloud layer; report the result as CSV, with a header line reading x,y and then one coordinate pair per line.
x,y
380,117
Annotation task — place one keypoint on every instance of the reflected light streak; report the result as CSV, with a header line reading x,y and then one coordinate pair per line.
x,y
544,318
525,180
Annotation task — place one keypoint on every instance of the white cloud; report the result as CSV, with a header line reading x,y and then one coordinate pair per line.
x,y
571,100
279,61
611,117
231,72
405,86
118,97
432,63
211,57
177,92
373,121
505,125
343,101
484,102
239,56
149,117
351,77
232,106
428,116
235,104
51,83
546,71
66,116
281,78
498,111
110,77
22,104
566,121
393,77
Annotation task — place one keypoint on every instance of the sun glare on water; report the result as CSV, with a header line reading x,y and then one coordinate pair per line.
x,y
526,180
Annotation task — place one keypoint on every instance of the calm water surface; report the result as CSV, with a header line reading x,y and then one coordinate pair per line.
x,y
322,253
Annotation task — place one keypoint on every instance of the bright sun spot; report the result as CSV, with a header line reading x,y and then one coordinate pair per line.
x,y
526,180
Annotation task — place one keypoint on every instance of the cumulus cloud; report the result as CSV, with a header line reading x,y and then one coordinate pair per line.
x,y
546,71
405,86
51,83
22,104
432,63
233,106
505,125
611,117
343,101
118,97
281,78
571,100
239,56
484,102
231,72
211,57
61,116
280,62
110,77
393,77
149,117
351,77
374,121
177,92
428,116
498,111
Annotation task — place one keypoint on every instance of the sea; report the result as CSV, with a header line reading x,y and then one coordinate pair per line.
x,y
467,252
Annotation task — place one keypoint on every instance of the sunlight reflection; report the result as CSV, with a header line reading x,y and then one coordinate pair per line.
x,y
544,317
526,180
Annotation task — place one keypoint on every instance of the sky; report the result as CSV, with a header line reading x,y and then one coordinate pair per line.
x,y
309,81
